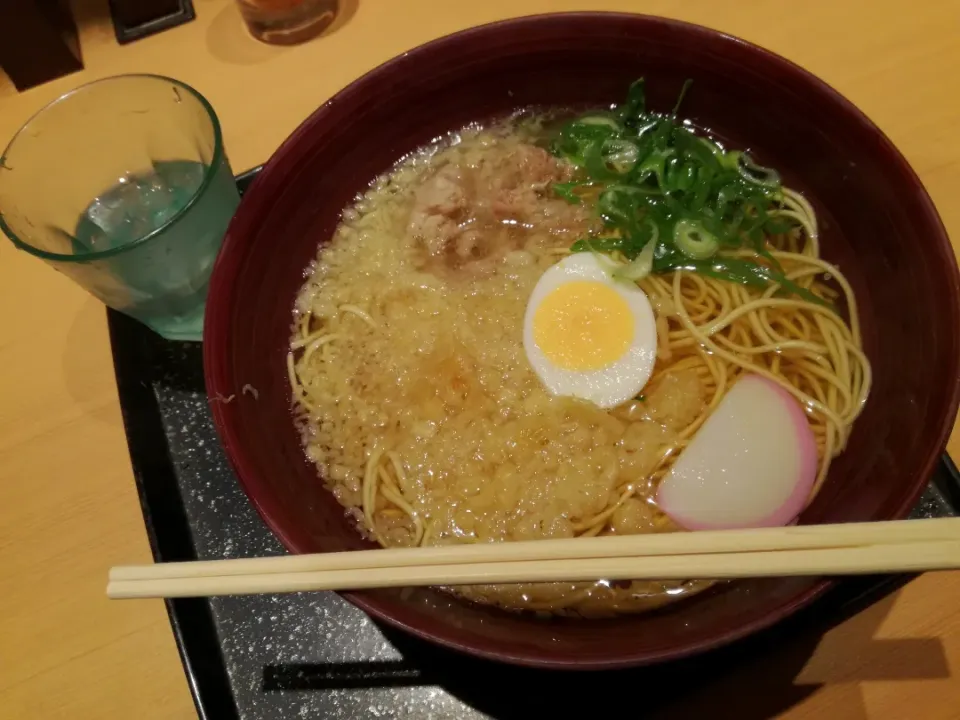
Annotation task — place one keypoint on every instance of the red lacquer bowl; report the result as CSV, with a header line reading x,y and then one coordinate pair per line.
x,y
878,224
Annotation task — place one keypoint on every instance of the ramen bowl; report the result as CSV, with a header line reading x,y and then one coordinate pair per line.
x,y
878,225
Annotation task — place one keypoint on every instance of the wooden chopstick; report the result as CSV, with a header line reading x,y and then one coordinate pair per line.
x,y
905,557
800,537
899,546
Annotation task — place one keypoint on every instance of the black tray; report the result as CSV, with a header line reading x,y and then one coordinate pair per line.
x,y
313,655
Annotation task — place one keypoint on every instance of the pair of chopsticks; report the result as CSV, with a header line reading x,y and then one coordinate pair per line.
x,y
846,549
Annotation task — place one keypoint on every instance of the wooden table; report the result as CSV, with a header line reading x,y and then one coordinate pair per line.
x,y
68,506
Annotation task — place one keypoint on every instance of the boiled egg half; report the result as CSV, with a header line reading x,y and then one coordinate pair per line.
x,y
588,335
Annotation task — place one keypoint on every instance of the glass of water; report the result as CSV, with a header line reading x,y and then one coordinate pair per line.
x,y
123,185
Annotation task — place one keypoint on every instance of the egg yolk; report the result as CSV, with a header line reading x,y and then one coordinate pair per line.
x,y
583,325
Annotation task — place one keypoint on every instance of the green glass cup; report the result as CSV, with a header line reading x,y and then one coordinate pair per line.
x,y
124,186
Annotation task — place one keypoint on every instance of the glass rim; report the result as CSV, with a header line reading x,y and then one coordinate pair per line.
x,y
208,173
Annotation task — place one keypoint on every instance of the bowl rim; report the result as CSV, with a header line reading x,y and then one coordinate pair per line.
x,y
217,320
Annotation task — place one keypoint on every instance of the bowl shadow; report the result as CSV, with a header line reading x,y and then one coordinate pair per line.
x,y
784,660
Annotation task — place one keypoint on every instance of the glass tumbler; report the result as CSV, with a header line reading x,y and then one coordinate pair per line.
x,y
287,22
124,186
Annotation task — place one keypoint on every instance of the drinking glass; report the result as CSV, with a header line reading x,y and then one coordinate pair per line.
x,y
287,22
124,186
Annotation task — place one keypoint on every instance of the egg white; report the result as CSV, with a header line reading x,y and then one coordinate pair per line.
x,y
622,379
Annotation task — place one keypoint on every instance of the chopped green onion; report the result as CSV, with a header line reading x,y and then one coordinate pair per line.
x,y
600,120
635,107
715,148
642,264
751,172
598,245
620,155
671,199
731,160
683,91
639,267
693,240
654,166
566,191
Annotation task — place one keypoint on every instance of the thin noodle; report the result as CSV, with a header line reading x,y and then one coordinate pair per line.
x,y
707,328
360,313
